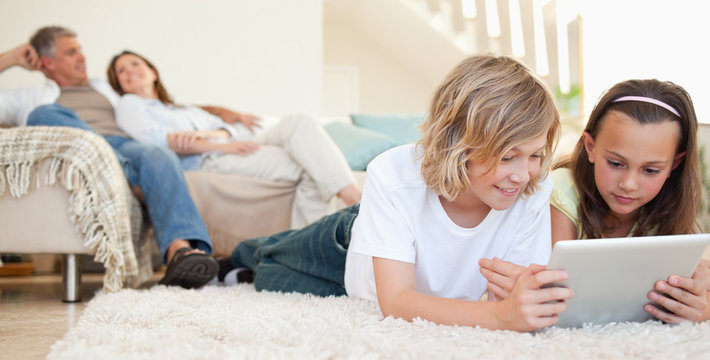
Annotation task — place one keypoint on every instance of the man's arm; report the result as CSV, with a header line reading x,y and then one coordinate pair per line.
x,y
232,117
23,55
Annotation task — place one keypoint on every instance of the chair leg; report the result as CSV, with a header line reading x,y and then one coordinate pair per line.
x,y
71,277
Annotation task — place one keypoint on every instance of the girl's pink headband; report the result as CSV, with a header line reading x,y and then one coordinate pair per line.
x,y
649,100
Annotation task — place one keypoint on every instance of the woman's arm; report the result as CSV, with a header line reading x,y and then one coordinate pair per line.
x,y
528,308
194,142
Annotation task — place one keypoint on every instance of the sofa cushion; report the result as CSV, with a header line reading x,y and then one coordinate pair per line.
x,y
403,128
237,207
359,145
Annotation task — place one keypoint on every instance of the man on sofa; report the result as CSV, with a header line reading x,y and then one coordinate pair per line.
x,y
70,99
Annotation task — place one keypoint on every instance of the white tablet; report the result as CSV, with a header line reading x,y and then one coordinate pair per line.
x,y
612,277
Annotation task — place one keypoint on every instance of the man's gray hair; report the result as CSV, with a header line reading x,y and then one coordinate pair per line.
x,y
43,40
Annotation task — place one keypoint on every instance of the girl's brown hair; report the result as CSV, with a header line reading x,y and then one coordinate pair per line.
x,y
674,209
485,106
113,78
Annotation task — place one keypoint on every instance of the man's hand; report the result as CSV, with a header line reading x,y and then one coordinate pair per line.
x,y
252,122
23,55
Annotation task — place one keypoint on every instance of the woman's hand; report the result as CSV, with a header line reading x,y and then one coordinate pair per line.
x,y
682,299
242,148
529,306
182,141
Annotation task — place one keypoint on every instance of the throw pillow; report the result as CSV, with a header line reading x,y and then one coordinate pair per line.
x,y
403,128
358,145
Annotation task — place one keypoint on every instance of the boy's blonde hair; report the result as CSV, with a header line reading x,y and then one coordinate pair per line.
x,y
485,106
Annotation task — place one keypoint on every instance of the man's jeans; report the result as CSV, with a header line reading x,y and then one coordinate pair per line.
x,y
308,260
156,171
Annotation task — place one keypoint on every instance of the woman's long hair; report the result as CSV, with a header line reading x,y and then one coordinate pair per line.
x,y
159,88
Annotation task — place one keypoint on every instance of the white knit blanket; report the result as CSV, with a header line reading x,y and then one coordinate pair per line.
x,y
237,322
101,204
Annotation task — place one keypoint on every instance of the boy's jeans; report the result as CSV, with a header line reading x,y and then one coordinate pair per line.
x,y
308,260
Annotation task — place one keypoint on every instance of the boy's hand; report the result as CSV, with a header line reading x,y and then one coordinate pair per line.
x,y
530,307
502,275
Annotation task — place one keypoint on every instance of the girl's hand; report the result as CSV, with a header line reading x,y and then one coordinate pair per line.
x,y
531,307
182,141
686,298
702,274
242,148
502,275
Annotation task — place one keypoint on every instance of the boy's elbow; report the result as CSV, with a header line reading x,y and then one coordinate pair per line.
x,y
394,304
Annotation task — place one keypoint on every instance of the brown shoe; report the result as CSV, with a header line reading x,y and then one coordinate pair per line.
x,y
189,271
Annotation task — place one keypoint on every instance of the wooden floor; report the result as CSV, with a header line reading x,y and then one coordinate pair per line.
x,y
33,316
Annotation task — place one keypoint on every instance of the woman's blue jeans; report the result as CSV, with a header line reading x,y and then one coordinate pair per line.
x,y
155,170
308,260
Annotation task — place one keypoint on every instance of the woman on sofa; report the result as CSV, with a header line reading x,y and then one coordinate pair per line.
x,y
296,150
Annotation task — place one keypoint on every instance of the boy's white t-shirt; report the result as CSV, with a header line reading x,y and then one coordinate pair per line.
x,y
402,219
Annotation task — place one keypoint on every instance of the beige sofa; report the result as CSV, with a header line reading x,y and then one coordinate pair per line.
x,y
62,192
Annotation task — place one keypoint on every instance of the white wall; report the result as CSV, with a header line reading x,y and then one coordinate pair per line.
x,y
659,39
260,56
386,85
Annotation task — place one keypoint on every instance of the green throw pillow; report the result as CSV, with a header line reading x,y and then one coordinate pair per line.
x,y
403,128
359,145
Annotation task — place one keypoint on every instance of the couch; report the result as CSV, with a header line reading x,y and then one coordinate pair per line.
x,y
62,191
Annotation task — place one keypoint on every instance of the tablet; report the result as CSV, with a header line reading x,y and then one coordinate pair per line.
x,y
611,277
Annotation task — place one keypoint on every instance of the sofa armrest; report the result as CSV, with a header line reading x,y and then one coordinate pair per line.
x,y
100,201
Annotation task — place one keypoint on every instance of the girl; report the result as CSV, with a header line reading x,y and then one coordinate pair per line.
x,y
635,171
474,186
296,150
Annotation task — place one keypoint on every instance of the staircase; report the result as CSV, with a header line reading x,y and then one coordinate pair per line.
x,y
428,37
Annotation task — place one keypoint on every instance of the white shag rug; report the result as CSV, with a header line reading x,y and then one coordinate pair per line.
x,y
236,322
